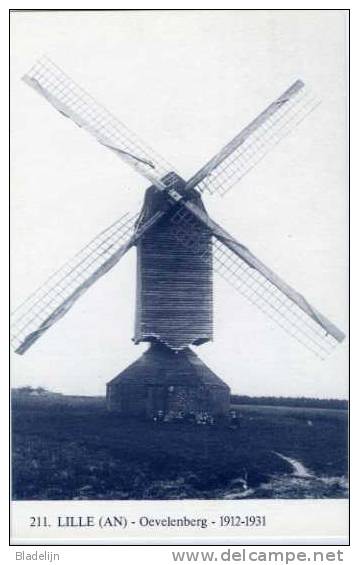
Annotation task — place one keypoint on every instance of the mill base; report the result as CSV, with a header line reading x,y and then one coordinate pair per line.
x,y
167,384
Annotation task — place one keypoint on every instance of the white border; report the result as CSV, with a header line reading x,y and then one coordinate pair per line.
x,y
150,554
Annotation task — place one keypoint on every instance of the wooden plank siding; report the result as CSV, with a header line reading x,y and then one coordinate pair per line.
x,y
174,296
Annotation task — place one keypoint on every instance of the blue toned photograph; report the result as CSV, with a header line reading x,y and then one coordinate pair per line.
x,y
195,348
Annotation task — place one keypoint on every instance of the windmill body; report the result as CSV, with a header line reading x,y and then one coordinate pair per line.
x,y
174,310
178,248
174,304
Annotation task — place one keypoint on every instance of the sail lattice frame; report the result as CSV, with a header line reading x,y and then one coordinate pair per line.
x,y
77,104
283,305
58,294
247,149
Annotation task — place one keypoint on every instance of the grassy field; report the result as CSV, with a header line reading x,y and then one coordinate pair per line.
x,y
72,448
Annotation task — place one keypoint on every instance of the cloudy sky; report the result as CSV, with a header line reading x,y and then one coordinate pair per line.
x,y
186,82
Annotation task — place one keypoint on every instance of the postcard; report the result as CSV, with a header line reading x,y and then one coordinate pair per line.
x,y
179,252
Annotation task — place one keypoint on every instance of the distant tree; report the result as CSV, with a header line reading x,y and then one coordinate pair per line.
x,y
298,402
41,390
30,390
25,389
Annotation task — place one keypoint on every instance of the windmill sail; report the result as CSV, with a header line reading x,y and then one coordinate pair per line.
x,y
60,292
248,147
259,284
75,103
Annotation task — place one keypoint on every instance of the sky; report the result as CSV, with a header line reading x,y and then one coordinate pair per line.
x,y
186,82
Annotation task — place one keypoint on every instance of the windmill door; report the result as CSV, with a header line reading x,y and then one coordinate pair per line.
x,y
156,400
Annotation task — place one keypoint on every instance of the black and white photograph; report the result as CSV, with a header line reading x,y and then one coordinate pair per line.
x,y
179,263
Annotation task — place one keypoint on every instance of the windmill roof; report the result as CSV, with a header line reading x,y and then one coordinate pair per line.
x,y
161,365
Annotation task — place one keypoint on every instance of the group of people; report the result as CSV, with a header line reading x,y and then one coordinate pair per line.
x,y
200,418
203,418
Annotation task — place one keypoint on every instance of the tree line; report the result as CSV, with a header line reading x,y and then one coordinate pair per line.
x,y
298,402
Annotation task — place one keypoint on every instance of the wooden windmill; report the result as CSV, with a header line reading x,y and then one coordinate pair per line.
x,y
178,248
